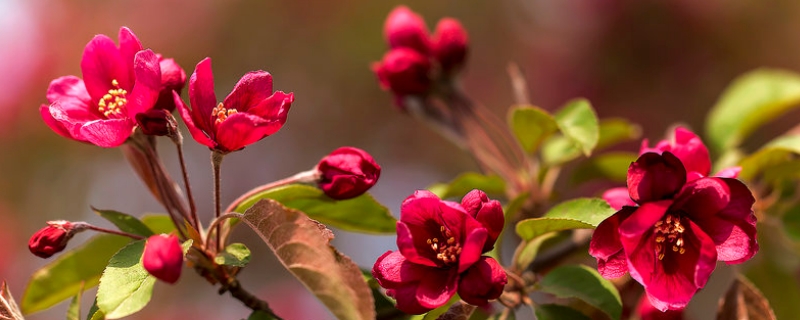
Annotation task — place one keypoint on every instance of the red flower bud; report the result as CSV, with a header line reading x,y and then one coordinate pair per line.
x,y
404,71
450,43
406,29
482,282
173,78
347,172
488,212
157,122
51,239
163,257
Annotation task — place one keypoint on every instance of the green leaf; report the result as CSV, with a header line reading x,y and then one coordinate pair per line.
x,y
559,149
125,287
360,214
773,153
558,312
74,309
791,222
465,182
531,125
578,122
62,278
529,229
159,223
235,254
588,210
260,315
95,313
125,222
612,166
527,251
303,247
616,130
752,100
584,283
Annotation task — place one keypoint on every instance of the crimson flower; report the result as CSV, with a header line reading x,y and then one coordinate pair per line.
x,y
249,113
347,172
670,241
163,257
646,311
52,239
118,83
488,212
688,147
440,247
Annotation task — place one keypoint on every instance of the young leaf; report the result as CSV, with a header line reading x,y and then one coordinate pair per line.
x,y
773,153
74,309
125,287
527,251
529,229
125,222
584,283
591,211
578,122
62,278
531,125
752,100
360,214
95,313
559,149
159,223
465,182
8,307
558,312
616,130
303,246
744,301
612,166
235,254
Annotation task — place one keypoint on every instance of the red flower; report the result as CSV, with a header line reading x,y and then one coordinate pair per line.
x,y
488,212
450,44
118,83
249,113
51,239
688,147
173,78
404,71
347,172
439,254
163,257
406,29
671,241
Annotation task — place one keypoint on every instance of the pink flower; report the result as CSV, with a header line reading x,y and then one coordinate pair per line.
x,y
646,311
248,114
439,254
688,147
163,257
404,71
173,78
118,83
52,239
671,240
488,212
406,29
347,172
450,44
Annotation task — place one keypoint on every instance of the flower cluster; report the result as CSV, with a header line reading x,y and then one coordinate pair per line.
x,y
440,245
679,225
416,59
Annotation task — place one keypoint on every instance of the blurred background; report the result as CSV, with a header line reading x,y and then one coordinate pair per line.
x,y
655,62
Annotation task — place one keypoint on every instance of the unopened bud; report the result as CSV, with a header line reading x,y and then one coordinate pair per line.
x,y
163,257
52,239
406,29
173,78
404,72
488,212
347,172
157,122
450,44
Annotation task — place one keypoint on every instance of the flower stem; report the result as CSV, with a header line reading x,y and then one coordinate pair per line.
x,y
190,198
309,176
216,163
116,232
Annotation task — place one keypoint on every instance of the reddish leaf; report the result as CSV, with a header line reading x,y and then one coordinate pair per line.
x,y
458,311
743,301
303,246
8,307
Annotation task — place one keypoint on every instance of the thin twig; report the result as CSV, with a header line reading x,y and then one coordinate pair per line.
x,y
216,163
192,206
302,177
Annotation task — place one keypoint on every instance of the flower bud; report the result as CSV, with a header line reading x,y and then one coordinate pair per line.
x,y
482,282
157,122
51,239
404,71
488,212
173,78
406,29
347,172
450,43
163,257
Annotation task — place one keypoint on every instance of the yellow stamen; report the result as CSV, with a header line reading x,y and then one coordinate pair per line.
x,y
112,103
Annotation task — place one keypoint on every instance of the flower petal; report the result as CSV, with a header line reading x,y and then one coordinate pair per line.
x,y
655,177
605,239
253,88
410,246
68,90
148,83
202,97
106,133
642,220
54,124
129,45
437,288
730,172
472,248
102,63
483,281
240,130
693,153
701,197
392,270
618,197
196,132
274,109
614,267
733,228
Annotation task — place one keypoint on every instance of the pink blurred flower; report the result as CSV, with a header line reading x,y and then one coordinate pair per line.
x,y
248,114
347,172
163,257
450,44
671,241
439,254
118,83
